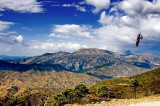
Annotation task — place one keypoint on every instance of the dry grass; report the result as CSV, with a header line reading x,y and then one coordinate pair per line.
x,y
4,90
20,91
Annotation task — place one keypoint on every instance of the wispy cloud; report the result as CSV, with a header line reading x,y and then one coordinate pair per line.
x,y
7,33
55,5
26,28
5,25
76,6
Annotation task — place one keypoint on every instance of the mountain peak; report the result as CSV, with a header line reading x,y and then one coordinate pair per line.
x,y
128,52
47,54
60,52
91,51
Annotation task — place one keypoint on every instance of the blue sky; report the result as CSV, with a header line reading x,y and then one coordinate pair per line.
x,y
34,27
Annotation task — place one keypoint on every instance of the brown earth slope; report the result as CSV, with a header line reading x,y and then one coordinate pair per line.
x,y
45,79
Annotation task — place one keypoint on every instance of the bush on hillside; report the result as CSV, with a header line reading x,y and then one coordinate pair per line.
x,y
69,96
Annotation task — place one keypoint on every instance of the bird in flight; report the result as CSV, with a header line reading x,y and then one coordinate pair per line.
x,y
139,37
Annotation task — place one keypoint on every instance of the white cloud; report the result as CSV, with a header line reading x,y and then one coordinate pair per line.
x,y
18,39
26,28
117,35
59,35
76,6
55,46
127,20
105,19
39,48
31,6
7,33
98,4
70,30
119,30
15,50
150,26
1,9
5,25
12,40
140,7
118,20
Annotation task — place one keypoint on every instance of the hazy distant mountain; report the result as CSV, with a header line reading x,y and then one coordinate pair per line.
x,y
25,67
98,62
5,57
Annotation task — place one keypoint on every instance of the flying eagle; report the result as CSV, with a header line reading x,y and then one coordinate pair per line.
x,y
139,37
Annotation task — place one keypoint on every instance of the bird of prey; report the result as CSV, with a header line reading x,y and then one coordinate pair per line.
x,y
139,37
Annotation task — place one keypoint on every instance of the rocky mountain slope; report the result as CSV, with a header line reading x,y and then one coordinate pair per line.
x,y
97,62
144,58
77,61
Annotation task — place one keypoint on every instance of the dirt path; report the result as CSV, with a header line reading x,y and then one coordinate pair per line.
x,y
149,101
156,103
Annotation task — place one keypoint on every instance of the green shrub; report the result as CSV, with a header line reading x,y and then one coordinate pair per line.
x,y
1,104
102,91
15,102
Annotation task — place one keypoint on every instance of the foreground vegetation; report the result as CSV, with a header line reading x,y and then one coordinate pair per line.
x,y
69,96
137,86
14,102
146,84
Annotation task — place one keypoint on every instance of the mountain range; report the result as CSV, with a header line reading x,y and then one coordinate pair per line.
x,y
51,73
103,64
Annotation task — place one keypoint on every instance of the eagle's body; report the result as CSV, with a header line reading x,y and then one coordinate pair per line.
x,y
139,37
